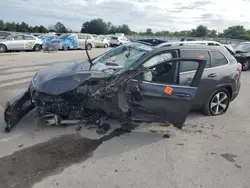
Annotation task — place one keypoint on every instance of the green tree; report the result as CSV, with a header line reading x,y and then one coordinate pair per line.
x,y
95,26
123,29
10,26
201,31
60,28
149,31
212,33
42,29
2,25
236,32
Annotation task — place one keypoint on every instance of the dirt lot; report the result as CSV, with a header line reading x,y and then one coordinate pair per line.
x,y
210,152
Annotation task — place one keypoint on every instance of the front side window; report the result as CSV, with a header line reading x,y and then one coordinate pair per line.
x,y
218,59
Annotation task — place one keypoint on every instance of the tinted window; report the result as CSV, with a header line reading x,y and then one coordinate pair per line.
x,y
191,66
81,36
29,38
18,37
218,59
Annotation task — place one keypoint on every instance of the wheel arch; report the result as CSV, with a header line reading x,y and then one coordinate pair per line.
x,y
4,45
228,87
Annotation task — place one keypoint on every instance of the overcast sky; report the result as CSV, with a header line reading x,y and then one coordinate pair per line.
x,y
138,14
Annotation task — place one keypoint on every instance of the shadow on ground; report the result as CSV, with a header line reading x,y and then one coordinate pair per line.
x,y
25,167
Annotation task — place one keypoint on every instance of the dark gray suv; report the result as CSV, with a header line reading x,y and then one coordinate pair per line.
x,y
220,82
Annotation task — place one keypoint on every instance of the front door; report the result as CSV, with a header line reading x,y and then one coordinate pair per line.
x,y
158,95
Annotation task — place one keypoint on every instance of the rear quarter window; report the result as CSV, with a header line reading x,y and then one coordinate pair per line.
x,y
218,59
192,66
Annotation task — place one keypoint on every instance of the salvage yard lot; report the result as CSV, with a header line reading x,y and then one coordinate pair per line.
x,y
210,152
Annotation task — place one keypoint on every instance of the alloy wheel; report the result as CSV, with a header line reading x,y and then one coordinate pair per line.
x,y
2,49
219,103
246,65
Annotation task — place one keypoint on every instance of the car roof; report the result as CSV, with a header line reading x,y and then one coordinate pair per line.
x,y
205,42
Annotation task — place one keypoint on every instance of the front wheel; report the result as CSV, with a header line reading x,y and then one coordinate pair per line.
x,y
106,45
246,65
37,48
217,103
2,48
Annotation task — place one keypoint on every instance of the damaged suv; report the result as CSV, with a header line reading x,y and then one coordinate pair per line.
x,y
131,82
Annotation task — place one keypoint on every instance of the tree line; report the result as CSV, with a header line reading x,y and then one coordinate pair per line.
x,y
99,26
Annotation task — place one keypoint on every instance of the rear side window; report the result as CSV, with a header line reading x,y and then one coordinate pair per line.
x,y
27,37
81,36
218,59
192,66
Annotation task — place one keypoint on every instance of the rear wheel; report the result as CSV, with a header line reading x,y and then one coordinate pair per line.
x,y
89,46
2,48
246,65
37,48
217,103
106,45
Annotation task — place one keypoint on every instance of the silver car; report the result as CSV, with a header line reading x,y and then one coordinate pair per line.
x,y
20,42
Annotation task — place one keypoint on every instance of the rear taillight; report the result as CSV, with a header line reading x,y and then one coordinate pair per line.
x,y
239,67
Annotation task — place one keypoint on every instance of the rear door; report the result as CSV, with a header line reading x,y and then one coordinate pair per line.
x,y
187,72
163,98
29,42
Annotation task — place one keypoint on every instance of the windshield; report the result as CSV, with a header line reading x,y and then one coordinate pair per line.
x,y
121,58
63,36
242,47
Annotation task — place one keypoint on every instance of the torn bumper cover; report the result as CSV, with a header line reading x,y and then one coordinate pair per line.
x,y
16,109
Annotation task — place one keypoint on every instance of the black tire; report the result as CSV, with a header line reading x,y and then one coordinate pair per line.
x,y
106,45
37,47
89,46
209,110
2,48
65,48
246,65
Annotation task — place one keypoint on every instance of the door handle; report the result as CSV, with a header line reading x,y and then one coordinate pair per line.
x,y
183,95
212,75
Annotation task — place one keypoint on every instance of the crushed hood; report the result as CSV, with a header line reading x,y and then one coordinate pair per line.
x,y
58,79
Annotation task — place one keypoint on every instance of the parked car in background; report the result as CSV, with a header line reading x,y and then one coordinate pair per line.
x,y
118,40
102,41
242,51
20,42
46,39
74,41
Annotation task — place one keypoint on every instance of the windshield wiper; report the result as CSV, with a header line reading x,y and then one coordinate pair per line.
x,y
89,59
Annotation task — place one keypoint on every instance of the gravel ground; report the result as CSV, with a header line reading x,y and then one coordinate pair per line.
x,y
210,152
